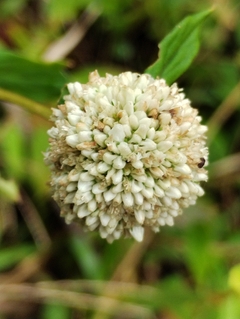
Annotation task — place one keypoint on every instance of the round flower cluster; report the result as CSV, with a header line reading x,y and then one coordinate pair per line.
x,y
126,152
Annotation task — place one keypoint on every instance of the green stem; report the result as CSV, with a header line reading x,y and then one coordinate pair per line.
x,y
27,104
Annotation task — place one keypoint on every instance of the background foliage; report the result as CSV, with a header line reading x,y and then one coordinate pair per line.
x,y
49,270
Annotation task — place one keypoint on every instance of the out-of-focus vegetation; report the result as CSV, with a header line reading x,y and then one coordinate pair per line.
x,y
50,270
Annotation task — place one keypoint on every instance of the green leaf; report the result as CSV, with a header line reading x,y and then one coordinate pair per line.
x,y
58,11
178,48
12,255
13,151
86,257
41,82
197,247
38,172
51,311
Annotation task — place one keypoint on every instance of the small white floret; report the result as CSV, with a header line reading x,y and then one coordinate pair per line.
x,y
137,232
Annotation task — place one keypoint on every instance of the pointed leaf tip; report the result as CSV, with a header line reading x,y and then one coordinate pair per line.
x,y
178,49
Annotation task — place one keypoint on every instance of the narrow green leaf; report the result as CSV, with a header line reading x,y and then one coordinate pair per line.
x,y
178,48
58,11
12,255
86,257
52,311
38,81
38,172
13,151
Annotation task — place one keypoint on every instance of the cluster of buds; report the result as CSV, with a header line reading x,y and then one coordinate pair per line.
x,y
126,152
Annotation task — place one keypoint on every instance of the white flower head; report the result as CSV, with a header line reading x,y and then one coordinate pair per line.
x,y
126,152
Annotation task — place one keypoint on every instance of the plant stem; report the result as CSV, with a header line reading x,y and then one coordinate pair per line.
x,y
27,104
125,272
223,112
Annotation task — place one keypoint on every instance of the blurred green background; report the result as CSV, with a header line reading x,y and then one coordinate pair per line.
x,y
49,270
